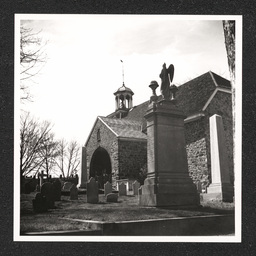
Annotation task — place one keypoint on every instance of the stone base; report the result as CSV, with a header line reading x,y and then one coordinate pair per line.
x,y
217,191
169,195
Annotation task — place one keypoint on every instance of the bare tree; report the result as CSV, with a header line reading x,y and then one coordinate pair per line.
x,y
32,59
230,40
68,158
48,151
33,135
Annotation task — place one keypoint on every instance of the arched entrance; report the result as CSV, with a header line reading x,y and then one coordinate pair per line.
x,y
100,166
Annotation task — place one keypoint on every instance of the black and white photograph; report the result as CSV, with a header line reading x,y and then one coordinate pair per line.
x,y
128,128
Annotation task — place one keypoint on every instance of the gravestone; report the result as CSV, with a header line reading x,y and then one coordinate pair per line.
x,y
112,197
67,186
41,177
221,187
37,188
92,192
47,190
199,186
57,190
135,187
107,188
122,189
168,182
39,203
73,192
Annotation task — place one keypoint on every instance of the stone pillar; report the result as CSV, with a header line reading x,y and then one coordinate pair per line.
x,y
168,182
220,188
83,168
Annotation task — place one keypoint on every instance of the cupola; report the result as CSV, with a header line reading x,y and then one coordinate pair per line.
x,y
123,100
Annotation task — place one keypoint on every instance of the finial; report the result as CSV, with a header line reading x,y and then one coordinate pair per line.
x,y
173,90
153,85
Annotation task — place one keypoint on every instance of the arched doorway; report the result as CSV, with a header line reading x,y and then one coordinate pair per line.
x,y
100,166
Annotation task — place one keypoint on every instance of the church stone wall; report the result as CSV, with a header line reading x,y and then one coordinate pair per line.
x,y
197,135
108,141
198,163
132,157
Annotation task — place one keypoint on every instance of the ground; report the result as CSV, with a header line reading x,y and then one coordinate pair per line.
x,y
66,214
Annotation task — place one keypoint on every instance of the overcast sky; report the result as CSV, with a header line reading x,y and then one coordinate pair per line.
x,y
83,69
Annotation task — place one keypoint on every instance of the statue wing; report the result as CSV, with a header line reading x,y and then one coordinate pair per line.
x,y
171,72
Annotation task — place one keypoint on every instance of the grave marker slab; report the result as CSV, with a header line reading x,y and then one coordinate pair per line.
x,y
47,190
73,192
67,186
135,187
107,188
112,197
92,192
57,190
39,203
122,190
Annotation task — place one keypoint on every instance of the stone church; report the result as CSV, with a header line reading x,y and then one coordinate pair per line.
x,y
116,147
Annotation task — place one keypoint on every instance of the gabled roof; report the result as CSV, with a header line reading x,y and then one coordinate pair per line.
x,y
124,128
191,96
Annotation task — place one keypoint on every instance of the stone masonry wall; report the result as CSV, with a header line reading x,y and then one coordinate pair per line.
x,y
197,135
198,164
132,157
108,141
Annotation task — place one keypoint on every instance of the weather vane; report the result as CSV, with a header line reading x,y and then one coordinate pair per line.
x,y
122,70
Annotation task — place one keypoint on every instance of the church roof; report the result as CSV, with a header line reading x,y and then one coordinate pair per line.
x,y
124,128
191,96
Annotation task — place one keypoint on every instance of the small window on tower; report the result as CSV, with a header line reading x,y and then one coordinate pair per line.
x,y
98,135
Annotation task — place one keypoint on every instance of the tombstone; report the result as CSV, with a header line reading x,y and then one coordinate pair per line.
x,y
67,186
62,183
73,192
37,188
57,190
41,177
92,192
135,187
39,203
168,182
77,179
47,190
107,188
122,189
199,186
220,188
112,197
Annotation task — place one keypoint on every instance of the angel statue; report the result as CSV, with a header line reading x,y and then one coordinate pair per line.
x,y
166,77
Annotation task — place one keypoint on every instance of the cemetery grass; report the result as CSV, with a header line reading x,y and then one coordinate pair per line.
x,y
66,212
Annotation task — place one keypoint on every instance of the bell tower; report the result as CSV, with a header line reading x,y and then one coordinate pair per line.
x,y
123,100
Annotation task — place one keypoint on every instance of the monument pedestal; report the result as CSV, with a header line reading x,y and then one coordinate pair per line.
x,y
168,182
217,191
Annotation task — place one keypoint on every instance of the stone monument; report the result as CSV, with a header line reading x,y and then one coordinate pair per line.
x,y
220,188
168,182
